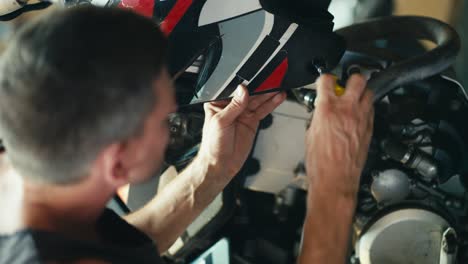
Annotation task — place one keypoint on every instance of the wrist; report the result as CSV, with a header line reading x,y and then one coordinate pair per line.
x,y
207,166
327,226
333,195
334,181
215,164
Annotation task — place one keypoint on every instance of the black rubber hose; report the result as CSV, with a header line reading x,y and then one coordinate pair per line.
x,y
411,69
24,9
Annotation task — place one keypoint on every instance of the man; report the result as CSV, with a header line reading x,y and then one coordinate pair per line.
x,y
84,100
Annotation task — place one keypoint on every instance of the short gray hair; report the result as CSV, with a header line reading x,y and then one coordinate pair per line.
x,y
73,82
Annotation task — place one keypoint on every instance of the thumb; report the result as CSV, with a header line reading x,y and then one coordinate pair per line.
x,y
235,108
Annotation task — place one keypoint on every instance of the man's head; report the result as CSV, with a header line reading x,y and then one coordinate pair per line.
x,y
82,87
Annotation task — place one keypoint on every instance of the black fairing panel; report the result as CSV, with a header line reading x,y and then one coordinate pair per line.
x,y
307,45
313,39
303,12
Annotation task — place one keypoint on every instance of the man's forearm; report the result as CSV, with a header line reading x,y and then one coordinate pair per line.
x,y
167,216
326,228
337,144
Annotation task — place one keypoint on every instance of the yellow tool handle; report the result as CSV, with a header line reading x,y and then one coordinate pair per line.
x,y
339,90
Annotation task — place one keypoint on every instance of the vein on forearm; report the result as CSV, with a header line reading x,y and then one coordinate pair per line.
x,y
167,216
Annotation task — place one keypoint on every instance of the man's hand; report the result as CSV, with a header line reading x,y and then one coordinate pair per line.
x,y
230,129
337,146
228,135
339,136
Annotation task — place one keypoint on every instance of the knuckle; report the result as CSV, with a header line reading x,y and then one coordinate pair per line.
x,y
359,77
357,80
207,107
322,101
349,106
324,107
236,103
217,119
326,79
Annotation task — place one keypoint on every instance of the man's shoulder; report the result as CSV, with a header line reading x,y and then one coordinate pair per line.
x,y
122,243
19,247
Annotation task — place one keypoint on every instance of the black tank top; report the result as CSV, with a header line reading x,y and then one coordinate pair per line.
x,y
123,243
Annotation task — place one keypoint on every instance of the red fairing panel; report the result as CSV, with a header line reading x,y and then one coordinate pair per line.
x,y
146,8
276,78
142,7
174,16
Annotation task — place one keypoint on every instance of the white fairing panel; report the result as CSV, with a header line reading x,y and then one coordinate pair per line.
x,y
219,10
99,2
240,38
280,148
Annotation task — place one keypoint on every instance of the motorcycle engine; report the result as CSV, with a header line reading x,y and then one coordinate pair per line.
x,y
412,200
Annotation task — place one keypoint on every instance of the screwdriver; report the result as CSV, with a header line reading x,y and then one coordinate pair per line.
x,y
339,88
310,96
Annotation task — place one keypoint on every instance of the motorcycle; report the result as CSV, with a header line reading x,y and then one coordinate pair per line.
x,y
412,201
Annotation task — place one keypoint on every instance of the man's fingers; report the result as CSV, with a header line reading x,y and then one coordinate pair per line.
x,y
270,105
236,107
370,125
254,102
371,119
325,88
221,103
210,110
355,87
367,100
257,100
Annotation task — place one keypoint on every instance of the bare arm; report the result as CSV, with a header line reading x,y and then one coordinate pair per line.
x,y
167,215
337,145
228,135
327,228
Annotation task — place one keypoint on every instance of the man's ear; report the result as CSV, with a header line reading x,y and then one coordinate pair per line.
x,y
112,166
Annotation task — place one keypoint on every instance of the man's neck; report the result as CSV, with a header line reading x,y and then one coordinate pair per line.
x,y
70,209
